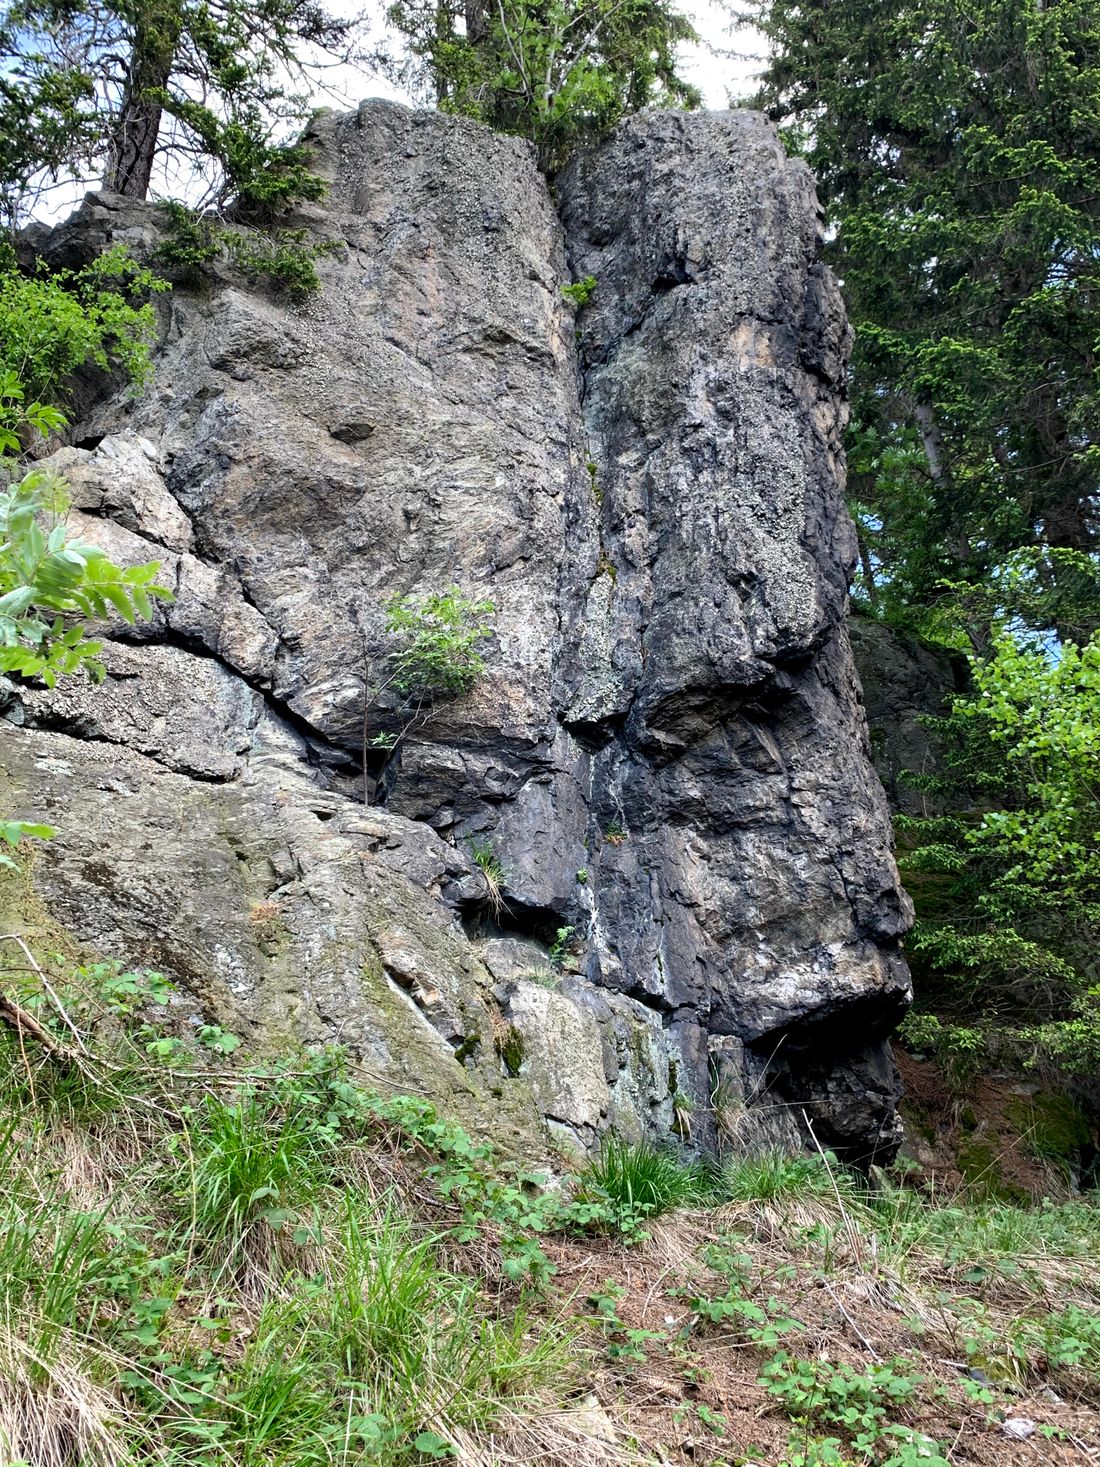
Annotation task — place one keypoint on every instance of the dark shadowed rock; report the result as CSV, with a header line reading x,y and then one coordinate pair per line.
x,y
904,681
667,752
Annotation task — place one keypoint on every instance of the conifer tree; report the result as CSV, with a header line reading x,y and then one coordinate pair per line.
x,y
558,73
108,91
957,151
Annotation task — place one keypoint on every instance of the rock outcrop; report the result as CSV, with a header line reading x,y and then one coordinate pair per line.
x,y
667,753
904,682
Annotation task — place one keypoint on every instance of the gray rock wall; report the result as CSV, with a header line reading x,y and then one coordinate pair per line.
x,y
904,681
667,751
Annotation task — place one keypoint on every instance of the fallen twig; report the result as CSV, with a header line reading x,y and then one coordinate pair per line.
x,y
45,982
23,1022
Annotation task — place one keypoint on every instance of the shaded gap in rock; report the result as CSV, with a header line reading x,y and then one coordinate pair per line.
x,y
515,919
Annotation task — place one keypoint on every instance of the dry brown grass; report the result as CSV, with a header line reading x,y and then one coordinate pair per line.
x,y
52,1412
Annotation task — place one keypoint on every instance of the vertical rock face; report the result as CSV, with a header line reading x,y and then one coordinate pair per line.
x,y
667,752
758,897
904,681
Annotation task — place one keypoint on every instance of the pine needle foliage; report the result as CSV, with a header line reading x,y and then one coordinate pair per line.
x,y
559,75
957,152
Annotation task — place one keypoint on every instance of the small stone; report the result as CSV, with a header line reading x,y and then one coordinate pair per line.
x,y
1018,1428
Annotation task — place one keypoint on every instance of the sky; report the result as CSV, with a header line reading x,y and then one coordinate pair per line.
x,y
717,75
722,66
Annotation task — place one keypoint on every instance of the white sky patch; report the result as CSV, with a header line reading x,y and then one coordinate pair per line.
x,y
723,65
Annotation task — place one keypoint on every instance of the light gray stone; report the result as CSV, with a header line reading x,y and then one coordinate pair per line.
x,y
667,752
561,1059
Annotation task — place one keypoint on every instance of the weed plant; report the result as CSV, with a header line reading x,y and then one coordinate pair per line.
x,y
644,1181
774,1175
210,1262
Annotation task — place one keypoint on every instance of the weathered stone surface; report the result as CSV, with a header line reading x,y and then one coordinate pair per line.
x,y
284,915
755,896
667,751
903,681
188,713
561,1056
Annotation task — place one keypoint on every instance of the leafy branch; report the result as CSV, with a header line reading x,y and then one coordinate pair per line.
x,y
52,585
44,570
433,656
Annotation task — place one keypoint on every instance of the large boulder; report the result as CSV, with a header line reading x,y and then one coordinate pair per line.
x,y
667,752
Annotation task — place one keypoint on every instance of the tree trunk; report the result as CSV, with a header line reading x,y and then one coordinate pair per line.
x,y
477,21
866,565
135,133
931,439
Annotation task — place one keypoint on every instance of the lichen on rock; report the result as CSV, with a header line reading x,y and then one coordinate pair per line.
x,y
686,731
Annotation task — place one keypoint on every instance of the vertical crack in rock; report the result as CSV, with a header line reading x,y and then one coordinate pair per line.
x,y
667,752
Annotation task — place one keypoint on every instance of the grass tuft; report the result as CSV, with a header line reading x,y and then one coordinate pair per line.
x,y
642,1179
492,871
777,1176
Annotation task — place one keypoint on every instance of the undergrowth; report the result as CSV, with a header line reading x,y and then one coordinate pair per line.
x,y
205,1259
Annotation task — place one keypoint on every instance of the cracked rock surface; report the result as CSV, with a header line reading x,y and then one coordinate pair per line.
x,y
667,751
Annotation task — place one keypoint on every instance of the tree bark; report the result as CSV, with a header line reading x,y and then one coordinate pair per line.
x,y
931,439
135,133
477,21
868,569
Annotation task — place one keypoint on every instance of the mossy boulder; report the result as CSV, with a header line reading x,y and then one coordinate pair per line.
x,y
980,1162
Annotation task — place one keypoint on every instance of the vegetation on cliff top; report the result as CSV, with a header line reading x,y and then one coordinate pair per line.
x,y
192,100
559,74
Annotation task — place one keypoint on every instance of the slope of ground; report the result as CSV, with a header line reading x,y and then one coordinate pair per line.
x,y
208,1261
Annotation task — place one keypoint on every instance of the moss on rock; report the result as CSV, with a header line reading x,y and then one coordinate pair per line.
x,y
510,1047
980,1165
1052,1126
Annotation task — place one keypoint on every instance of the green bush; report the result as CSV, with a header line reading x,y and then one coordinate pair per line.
x,y
287,258
437,638
52,585
52,323
433,654
580,292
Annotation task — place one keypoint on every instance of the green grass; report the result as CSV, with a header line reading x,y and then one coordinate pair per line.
x,y
383,1349
205,1262
986,1234
121,1327
774,1176
645,1180
492,870
194,1271
249,1160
